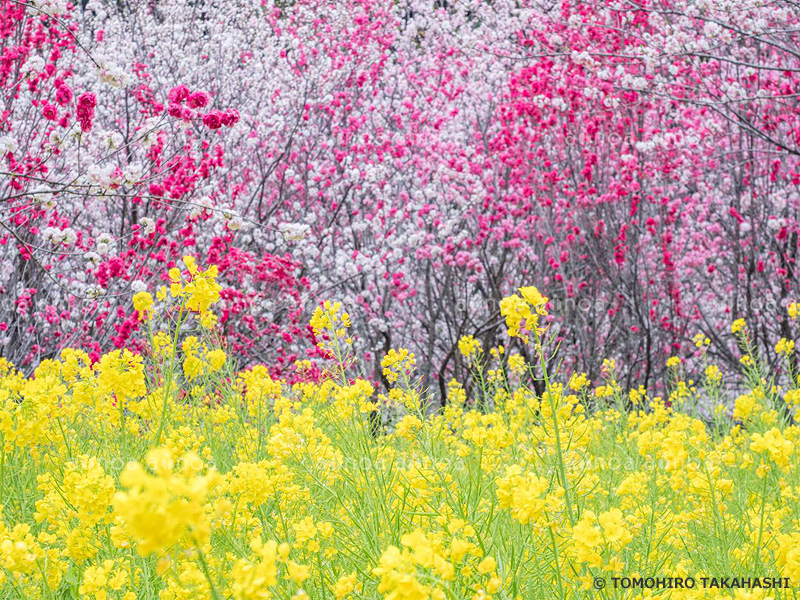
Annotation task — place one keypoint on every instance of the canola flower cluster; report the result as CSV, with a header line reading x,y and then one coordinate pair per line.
x,y
141,477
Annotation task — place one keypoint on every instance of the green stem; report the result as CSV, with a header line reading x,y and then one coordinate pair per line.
x,y
168,383
562,471
2,468
761,525
214,593
558,567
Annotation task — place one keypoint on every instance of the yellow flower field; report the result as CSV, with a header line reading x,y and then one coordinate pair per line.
x,y
173,476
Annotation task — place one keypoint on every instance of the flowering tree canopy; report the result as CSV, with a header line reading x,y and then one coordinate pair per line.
x,y
417,159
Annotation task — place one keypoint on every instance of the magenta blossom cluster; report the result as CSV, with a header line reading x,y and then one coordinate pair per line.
x,y
85,110
217,118
213,119
63,92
